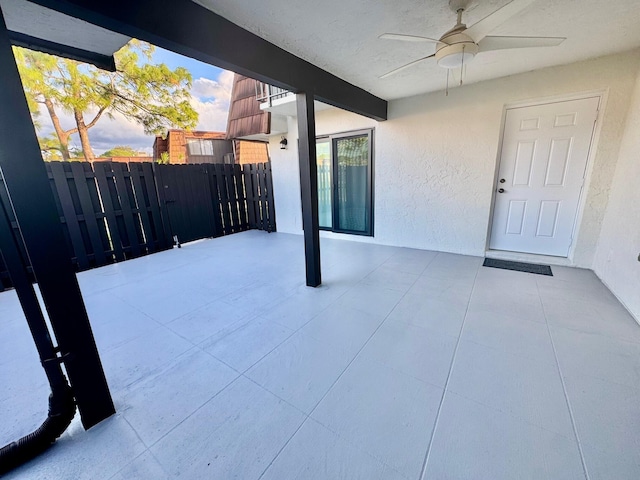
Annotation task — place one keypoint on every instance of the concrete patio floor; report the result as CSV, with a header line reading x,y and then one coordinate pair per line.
x,y
405,364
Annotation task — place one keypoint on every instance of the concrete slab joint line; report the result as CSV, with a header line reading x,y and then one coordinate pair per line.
x,y
566,397
444,392
403,364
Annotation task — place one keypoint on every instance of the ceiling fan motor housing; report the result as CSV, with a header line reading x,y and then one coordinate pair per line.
x,y
459,49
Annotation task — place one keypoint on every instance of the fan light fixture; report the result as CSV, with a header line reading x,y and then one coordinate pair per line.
x,y
456,55
458,46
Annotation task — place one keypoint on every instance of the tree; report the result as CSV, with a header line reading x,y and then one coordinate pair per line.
x,y
152,95
121,151
50,147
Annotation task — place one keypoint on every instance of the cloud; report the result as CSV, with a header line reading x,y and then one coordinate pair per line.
x,y
109,133
205,88
210,98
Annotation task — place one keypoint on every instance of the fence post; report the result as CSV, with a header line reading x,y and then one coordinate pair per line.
x,y
271,201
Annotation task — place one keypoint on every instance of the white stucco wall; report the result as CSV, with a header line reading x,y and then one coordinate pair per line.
x,y
435,157
617,262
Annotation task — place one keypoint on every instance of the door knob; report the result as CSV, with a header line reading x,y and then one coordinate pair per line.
x,y
502,180
501,190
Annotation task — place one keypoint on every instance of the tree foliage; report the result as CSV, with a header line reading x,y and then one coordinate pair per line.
x,y
122,151
154,96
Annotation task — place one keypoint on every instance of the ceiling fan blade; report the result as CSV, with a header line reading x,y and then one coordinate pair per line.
x,y
393,72
407,38
488,44
485,26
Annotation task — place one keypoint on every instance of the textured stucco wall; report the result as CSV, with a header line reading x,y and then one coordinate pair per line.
x,y
435,157
286,180
616,261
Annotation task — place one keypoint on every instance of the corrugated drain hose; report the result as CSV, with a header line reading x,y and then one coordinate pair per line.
x,y
62,406
62,409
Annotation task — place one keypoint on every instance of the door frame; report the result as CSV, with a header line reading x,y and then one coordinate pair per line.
x,y
602,94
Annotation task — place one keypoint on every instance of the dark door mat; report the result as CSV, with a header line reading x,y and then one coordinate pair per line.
x,y
518,266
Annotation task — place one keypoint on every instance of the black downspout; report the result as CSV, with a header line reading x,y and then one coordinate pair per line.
x,y
61,402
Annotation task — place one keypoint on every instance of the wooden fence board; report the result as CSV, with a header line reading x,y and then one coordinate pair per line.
x,y
141,207
101,169
256,193
271,206
161,241
203,200
233,196
264,215
182,220
224,198
249,196
62,188
210,202
84,175
218,227
123,191
159,172
241,198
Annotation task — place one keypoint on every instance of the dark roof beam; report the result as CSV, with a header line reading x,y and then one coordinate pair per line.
x,y
192,30
105,62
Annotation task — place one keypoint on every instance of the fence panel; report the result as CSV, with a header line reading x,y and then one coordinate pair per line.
x,y
241,195
186,194
223,198
249,194
97,243
259,186
148,206
233,197
114,211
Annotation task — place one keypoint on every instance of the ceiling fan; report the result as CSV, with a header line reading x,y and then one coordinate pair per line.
x,y
458,46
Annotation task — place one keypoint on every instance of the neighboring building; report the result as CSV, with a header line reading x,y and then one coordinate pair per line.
x,y
184,147
248,125
245,141
246,120
250,152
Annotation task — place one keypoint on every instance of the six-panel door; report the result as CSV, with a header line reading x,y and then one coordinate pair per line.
x,y
542,168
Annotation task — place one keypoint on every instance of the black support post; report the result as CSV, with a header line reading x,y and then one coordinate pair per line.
x,y
34,205
309,186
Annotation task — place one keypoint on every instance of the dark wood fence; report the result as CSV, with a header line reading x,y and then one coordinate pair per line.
x,y
210,200
113,211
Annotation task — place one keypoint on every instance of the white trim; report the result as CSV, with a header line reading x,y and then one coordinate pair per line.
x,y
602,94
532,102
595,140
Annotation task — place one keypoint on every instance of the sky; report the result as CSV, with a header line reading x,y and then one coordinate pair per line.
x,y
211,90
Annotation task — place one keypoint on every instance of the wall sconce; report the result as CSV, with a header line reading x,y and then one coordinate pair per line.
x,y
283,143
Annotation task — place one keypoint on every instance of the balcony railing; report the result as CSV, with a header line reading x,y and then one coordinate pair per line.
x,y
266,93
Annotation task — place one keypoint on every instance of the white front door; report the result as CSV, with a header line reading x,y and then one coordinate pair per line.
x,y
542,169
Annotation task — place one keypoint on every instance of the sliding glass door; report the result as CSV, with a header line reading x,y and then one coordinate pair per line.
x,y
345,182
325,183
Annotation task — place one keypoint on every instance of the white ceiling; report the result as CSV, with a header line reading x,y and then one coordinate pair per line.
x,y
341,36
39,22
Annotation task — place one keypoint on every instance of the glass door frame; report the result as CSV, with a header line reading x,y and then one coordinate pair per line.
x,y
333,141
